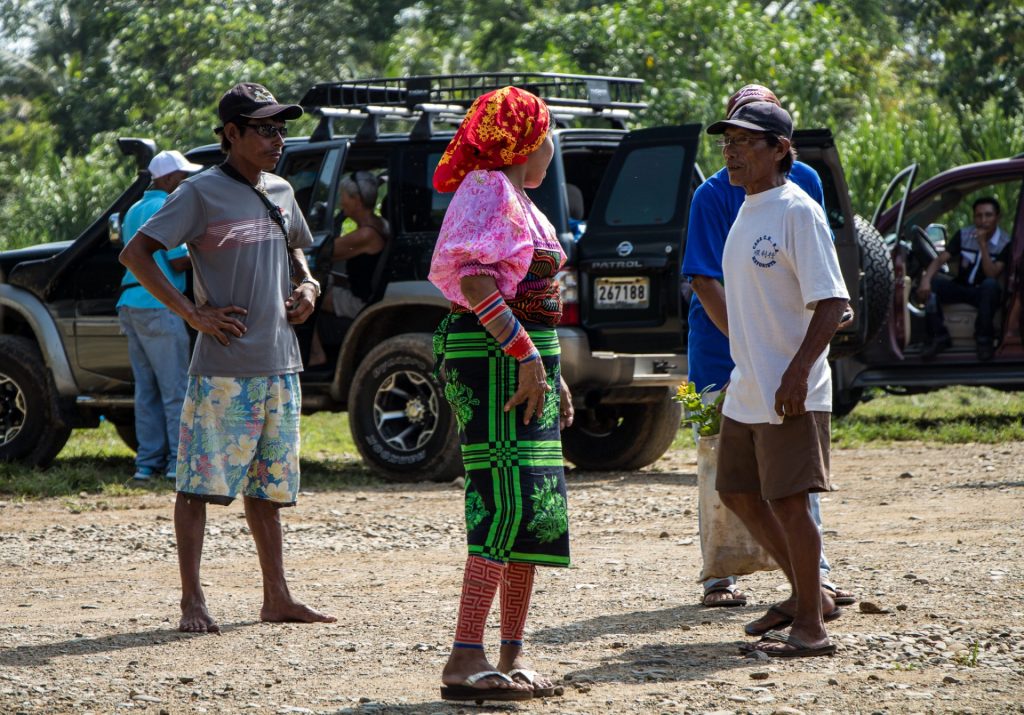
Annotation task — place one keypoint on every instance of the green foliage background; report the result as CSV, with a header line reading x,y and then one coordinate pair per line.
x,y
932,81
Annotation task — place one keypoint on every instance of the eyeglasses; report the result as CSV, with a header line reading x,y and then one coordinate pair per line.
x,y
269,130
740,142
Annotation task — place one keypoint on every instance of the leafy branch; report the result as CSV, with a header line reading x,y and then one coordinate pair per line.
x,y
706,416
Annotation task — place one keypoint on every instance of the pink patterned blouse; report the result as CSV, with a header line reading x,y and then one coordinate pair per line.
x,y
491,228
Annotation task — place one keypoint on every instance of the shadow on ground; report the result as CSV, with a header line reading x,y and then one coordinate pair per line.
x,y
44,653
677,619
578,477
664,662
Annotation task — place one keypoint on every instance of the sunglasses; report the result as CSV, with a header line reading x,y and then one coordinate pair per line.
x,y
741,142
268,130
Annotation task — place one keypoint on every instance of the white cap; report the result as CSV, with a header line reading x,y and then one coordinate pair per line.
x,y
167,162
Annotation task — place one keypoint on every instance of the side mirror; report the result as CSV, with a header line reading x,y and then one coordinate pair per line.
x,y
114,228
937,234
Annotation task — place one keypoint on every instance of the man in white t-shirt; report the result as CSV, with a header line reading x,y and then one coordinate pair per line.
x,y
784,296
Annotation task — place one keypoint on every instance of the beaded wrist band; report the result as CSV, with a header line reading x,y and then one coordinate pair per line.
x,y
498,319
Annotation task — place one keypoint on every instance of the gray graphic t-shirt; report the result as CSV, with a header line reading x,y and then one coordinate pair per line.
x,y
239,258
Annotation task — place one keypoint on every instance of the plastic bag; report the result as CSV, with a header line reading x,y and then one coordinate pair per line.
x,y
726,546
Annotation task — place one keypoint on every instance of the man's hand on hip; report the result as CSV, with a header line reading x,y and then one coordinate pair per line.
x,y
218,322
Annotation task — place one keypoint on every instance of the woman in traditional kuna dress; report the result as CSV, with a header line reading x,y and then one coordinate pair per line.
x,y
496,260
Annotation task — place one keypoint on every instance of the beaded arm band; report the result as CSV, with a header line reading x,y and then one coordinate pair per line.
x,y
498,320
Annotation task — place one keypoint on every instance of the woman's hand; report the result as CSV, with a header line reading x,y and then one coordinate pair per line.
x,y
533,387
566,411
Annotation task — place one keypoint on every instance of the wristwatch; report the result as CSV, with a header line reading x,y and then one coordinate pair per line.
x,y
313,282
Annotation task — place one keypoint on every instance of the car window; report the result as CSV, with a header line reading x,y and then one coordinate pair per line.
x,y
317,214
301,171
833,209
584,170
438,202
378,166
549,197
646,188
421,208
953,206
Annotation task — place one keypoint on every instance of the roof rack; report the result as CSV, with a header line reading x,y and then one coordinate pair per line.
x,y
424,98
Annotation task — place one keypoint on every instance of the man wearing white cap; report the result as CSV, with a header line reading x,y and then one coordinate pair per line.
x,y
157,339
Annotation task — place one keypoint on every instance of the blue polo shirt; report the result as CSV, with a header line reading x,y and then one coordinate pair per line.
x,y
715,206
136,296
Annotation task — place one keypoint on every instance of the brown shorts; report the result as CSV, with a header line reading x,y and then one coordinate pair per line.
x,y
776,460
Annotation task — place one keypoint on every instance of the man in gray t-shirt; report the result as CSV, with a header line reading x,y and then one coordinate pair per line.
x,y
240,420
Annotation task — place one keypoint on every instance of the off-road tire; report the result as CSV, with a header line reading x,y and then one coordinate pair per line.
x,y
622,437
844,402
33,426
877,283
396,376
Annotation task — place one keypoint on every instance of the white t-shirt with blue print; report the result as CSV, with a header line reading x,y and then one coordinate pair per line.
x,y
712,212
779,261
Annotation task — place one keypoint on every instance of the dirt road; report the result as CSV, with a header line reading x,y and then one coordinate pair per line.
x,y
932,535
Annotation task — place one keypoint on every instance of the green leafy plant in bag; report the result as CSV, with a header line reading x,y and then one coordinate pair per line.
x,y
707,417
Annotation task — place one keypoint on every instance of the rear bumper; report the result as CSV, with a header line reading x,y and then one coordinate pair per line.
x,y
583,368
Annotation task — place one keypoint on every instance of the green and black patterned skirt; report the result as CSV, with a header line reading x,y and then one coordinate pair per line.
x,y
516,507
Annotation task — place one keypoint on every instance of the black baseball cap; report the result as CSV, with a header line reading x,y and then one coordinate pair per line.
x,y
254,101
757,117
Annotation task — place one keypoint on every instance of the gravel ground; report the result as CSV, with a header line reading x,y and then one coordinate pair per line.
x,y
931,539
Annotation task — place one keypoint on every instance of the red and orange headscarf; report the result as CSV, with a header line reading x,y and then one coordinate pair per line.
x,y
502,128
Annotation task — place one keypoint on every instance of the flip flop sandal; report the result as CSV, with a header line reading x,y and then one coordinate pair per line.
x,y
467,689
529,677
799,649
841,597
736,598
787,620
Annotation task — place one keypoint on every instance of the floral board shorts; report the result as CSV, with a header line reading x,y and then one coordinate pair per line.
x,y
240,435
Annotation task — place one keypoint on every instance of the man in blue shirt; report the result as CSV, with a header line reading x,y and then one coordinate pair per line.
x,y
712,212
157,338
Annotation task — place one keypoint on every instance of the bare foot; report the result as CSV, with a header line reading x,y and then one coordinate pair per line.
x,y
464,662
293,612
195,618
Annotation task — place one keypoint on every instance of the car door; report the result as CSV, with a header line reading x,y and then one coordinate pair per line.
x,y
855,241
313,170
890,222
101,349
629,256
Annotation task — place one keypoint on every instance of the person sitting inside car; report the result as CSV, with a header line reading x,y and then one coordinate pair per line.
x,y
351,283
983,251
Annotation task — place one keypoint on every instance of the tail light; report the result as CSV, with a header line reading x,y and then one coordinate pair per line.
x,y
568,288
